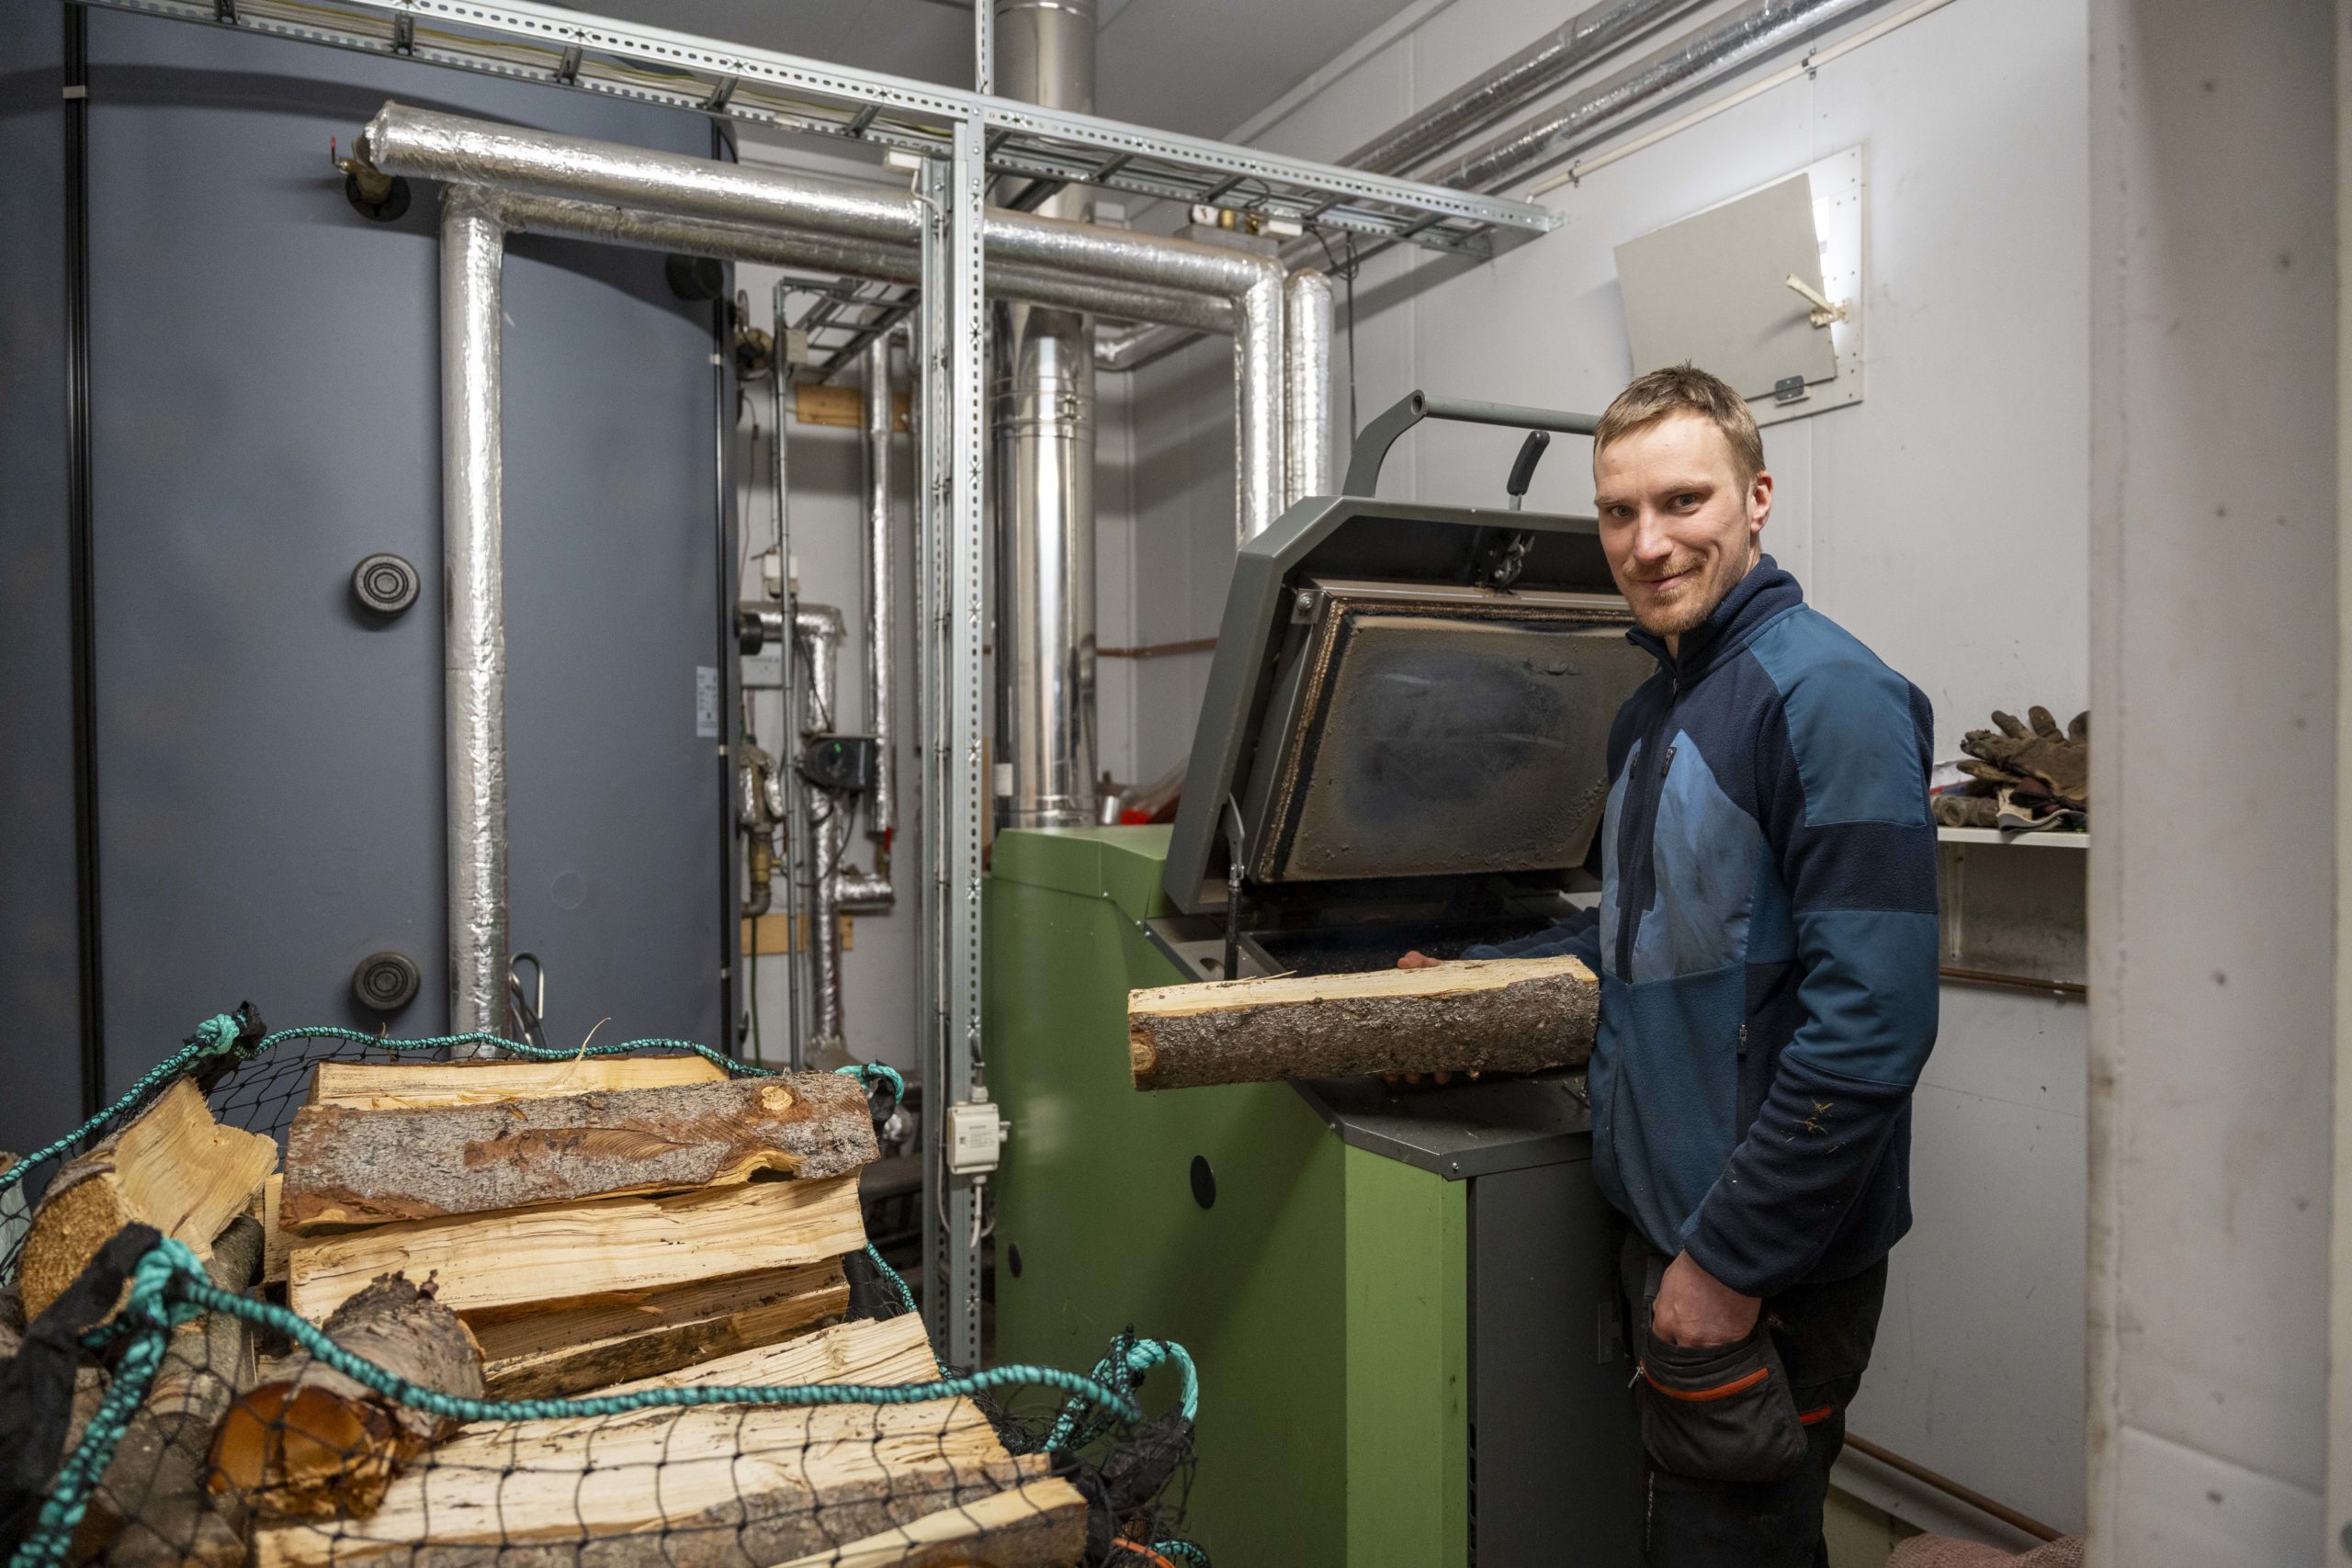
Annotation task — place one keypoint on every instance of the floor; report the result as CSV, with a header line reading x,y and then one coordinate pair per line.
x,y
1858,1535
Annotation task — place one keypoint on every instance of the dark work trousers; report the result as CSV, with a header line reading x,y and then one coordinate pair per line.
x,y
1739,1439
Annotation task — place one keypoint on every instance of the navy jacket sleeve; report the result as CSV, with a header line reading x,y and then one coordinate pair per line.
x,y
1842,763
1579,936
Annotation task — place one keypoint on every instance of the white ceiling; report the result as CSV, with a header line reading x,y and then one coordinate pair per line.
x,y
1197,66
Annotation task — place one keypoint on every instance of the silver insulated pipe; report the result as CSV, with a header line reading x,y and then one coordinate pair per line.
x,y
1714,48
817,629
1590,35
1307,386
1206,288
1041,418
473,251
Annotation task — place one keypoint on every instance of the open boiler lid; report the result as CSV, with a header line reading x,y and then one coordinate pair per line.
x,y
1407,699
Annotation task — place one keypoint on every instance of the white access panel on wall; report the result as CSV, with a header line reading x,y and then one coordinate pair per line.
x,y
1715,289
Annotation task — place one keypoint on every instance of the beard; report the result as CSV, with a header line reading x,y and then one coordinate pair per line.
x,y
1708,584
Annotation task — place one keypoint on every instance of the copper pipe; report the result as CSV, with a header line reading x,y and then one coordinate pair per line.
x,y
1950,1488
2070,990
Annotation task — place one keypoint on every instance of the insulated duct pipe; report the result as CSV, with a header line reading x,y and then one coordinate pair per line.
x,y
1753,32
1590,35
881,614
1307,386
636,228
817,632
1041,471
423,143
473,252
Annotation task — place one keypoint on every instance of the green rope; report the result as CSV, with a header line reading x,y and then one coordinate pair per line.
x,y
1183,1549
1142,1355
169,1285
216,1036
866,1072
147,1318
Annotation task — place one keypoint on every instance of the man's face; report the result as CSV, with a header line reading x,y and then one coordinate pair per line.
x,y
1678,526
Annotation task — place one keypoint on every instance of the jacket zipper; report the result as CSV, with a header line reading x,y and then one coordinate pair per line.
x,y
1641,824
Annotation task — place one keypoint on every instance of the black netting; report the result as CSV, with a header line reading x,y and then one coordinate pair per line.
x,y
168,1409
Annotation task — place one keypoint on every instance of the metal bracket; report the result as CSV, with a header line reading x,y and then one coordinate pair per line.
x,y
1789,389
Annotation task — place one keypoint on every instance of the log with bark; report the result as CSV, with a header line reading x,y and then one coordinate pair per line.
x,y
570,1251
364,1167
153,1509
1517,1015
534,1353
699,1487
1041,1525
421,1086
312,1441
173,1166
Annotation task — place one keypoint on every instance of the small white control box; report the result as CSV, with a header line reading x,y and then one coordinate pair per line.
x,y
975,1137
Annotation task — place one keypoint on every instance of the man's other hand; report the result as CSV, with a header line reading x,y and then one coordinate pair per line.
x,y
1696,1309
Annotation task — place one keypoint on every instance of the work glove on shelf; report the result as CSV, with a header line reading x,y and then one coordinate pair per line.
x,y
2039,761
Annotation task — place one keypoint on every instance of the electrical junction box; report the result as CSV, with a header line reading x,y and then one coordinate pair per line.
x,y
975,1137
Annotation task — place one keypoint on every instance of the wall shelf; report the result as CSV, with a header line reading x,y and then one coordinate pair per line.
x,y
2051,839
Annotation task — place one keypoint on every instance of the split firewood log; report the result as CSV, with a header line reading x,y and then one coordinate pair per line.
x,y
362,1167
313,1441
172,1167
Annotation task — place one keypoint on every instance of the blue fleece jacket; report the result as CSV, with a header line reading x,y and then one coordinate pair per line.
x,y
1766,943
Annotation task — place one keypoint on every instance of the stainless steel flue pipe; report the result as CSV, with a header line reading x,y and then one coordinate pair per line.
x,y
473,254
1041,471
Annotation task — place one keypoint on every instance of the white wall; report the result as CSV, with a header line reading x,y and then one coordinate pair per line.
x,y
2214,614
1942,520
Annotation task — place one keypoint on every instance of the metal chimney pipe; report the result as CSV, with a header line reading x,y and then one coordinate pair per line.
x,y
473,253
1041,413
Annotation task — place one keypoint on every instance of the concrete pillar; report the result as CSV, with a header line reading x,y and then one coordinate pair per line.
x,y
2212,863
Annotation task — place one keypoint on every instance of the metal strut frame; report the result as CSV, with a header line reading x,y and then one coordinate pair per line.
x,y
527,40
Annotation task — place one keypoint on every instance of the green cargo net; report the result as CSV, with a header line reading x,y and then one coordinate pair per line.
x,y
164,1411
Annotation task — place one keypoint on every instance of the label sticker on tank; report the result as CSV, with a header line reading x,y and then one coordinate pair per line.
x,y
707,702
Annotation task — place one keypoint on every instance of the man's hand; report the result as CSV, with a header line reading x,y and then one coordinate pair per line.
x,y
1417,959
1696,1309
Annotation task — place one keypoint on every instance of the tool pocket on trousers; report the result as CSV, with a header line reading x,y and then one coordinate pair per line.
x,y
1719,1412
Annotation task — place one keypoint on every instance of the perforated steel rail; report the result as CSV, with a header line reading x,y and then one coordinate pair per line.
x,y
528,42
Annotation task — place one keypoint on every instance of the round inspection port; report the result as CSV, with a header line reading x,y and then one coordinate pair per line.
x,y
385,584
386,982
1204,1182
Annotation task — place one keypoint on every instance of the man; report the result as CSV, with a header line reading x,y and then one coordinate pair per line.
x,y
1766,942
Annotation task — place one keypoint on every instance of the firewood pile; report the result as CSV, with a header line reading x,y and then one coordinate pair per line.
x,y
522,1232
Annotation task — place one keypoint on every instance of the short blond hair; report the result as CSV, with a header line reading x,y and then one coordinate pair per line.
x,y
1680,389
